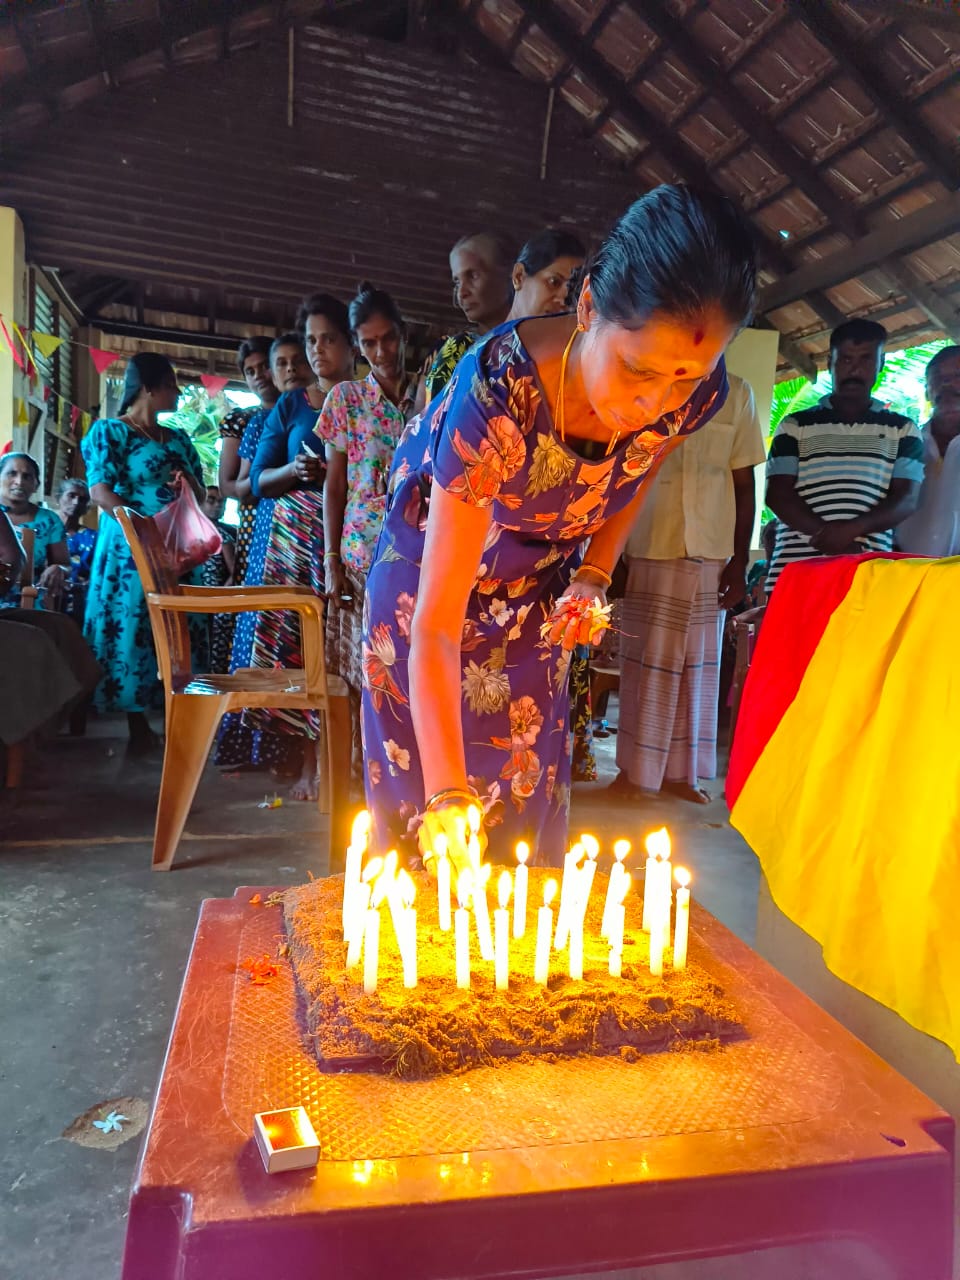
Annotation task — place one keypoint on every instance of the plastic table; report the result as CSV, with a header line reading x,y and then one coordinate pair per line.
x,y
797,1134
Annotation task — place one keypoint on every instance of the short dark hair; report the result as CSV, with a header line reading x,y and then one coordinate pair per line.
x,y
678,251
547,246
285,340
257,345
371,301
146,371
502,250
859,330
942,356
26,457
326,305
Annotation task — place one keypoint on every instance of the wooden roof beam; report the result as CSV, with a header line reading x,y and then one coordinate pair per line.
x,y
860,64
94,14
931,303
904,235
926,13
754,124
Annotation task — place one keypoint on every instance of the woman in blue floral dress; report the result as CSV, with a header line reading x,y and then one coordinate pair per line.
x,y
512,500
132,461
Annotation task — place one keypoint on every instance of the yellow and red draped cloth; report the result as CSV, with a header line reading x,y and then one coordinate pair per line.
x,y
845,774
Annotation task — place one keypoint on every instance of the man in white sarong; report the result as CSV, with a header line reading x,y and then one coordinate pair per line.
x,y
687,564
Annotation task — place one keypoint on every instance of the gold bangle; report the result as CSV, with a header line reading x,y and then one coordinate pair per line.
x,y
594,568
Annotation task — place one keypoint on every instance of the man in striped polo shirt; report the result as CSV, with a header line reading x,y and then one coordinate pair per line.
x,y
842,475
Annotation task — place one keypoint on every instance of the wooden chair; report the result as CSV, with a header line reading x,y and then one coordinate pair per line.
x,y
746,628
196,703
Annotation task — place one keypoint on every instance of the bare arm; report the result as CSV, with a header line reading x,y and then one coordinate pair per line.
x,y
784,501
454,543
276,481
228,470
733,579
334,505
105,498
241,486
900,502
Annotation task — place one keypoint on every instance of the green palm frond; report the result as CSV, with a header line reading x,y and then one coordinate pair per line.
x,y
199,414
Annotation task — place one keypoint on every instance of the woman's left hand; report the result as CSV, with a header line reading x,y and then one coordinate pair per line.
x,y
52,580
573,626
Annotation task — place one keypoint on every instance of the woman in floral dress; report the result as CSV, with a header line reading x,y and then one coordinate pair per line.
x,y
358,431
518,489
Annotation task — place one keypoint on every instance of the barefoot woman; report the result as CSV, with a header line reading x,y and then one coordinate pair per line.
x,y
519,487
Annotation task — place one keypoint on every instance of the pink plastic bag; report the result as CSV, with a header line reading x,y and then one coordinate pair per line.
x,y
189,538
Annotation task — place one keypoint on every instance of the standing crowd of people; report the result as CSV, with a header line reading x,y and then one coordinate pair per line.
x,y
450,516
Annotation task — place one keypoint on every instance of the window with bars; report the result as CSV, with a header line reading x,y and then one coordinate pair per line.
x,y
56,372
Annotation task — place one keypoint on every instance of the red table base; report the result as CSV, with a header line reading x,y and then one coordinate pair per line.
x,y
797,1134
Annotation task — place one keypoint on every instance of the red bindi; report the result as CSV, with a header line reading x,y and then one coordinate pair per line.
x,y
697,337
678,373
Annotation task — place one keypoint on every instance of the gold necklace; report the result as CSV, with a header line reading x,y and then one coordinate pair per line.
x,y
559,409
141,429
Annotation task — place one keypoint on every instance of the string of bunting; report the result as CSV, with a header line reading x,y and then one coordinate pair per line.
x,y
46,344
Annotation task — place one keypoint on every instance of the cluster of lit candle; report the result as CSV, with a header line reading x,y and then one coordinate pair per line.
x,y
370,884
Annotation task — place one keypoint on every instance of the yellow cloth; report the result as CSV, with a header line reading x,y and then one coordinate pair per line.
x,y
854,806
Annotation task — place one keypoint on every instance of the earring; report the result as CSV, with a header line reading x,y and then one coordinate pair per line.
x,y
581,327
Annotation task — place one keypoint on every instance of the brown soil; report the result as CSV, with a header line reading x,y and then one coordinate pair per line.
x,y
436,1028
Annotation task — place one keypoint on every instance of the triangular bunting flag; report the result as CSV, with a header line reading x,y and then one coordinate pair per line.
x,y
74,419
46,343
17,357
102,359
213,384
23,415
86,422
47,393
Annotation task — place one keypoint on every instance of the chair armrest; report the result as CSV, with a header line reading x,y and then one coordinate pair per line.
x,y
254,593
748,616
229,601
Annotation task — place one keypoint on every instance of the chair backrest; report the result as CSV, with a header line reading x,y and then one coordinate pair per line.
x,y
28,591
170,633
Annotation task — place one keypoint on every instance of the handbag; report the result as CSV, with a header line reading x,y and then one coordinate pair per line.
x,y
189,537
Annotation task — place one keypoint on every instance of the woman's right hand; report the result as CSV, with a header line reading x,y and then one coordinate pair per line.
x,y
335,580
307,469
452,821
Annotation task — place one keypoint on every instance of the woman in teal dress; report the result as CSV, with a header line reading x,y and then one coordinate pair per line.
x,y
132,461
19,481
509,505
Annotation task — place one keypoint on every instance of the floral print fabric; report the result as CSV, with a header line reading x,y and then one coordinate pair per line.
x,y
48,530
357,419
490,441
117,626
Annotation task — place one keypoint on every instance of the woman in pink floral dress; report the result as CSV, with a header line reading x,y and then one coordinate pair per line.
x,y
517,488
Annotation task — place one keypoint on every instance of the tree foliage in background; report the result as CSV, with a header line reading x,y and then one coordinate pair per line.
x,y
198,414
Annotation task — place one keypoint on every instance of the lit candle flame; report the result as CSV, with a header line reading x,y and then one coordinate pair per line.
x,y
372,870
473,850
464,888
504,887
390,864
381,887
406,888
483,874
682,876
592,846
523,851
473,818
576,853
658,844
361,828
620,849
549,892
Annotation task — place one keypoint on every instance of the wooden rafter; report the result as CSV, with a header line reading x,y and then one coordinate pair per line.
x,y
925,13
94,14
931,303
905,235
862,66
754,124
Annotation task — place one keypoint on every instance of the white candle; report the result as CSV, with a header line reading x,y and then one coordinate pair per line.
x,y
682,927
407,938
568,890
541,962
501,934
656,885
359,838
361,901
371,950
617,918
592,847
575,952
658,940
388,884
481,912
461,930
520,890
620,850
443,882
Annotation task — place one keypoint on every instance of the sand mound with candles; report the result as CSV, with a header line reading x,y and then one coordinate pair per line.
x,y
436,1028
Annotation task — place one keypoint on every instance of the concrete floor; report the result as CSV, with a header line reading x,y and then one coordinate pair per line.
x,y
93,947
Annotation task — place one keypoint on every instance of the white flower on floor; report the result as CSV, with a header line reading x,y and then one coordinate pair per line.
x,y
112,1123
397,756
500,613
